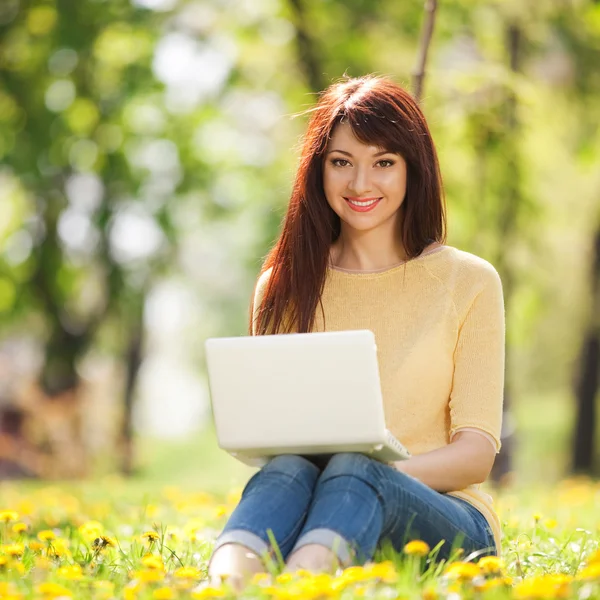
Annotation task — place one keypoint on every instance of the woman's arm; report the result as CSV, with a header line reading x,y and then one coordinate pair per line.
x,y
468,459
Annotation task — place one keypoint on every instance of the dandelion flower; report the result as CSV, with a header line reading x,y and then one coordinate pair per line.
x,y
149,575
19,528
383,570
8,515
491,565
46,535
14,550
416,548
592,571
150,536
152,562
544,586
191,573
462,570
163,593
204,593
53,590
594,558
72,572
104,541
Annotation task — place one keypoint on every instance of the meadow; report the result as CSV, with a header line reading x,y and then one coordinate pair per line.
x,y
150,538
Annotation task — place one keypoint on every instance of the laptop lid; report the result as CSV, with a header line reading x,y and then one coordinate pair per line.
x,y
295,389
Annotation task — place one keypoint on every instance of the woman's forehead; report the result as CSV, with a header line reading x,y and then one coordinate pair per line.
x,y
343,133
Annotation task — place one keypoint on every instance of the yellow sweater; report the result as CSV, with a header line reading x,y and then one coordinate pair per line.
x,y
438,321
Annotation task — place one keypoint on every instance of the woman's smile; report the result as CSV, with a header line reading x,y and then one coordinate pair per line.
x,y
362,205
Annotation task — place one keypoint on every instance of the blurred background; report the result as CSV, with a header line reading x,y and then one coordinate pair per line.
x,y
147,153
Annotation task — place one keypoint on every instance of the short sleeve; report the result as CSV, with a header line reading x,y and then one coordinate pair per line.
x,y
478,384
259,293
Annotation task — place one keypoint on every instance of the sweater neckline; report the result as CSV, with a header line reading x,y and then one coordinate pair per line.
x,y
388,269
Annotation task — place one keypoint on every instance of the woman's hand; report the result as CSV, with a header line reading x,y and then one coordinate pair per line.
x,y
467,460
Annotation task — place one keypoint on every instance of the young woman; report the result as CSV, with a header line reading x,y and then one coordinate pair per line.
x,y
363,247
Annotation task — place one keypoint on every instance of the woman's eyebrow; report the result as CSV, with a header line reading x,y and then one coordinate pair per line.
x,y
349,154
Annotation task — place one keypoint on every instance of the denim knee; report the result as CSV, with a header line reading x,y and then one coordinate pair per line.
x,y
291,465
350,464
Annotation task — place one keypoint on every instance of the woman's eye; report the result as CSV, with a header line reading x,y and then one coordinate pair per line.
x,y
336,162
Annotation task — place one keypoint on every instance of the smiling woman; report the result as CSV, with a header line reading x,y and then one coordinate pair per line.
x,y
367,180
364,238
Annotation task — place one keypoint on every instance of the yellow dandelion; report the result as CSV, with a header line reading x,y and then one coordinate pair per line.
x,y
104,541
417,548
489,584
429,594
131,590
163,593
149,575
8,515
59,548
191,573
491,564
36,546
9,592
19,528
383,570
72,572
46,535
463,571
537,517
53,590
91,529
221,510
550,523
152,562
14,550
352,575
590,572
208,592
284,578
544,586
150,536
594,558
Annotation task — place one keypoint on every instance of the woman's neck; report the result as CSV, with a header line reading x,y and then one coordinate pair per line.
x,y
358,256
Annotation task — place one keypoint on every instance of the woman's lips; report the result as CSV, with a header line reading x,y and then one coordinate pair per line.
x,y
366,208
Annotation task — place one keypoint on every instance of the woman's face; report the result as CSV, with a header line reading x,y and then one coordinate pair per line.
x,y
364,185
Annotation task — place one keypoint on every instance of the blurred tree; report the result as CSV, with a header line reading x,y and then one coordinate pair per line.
x,y
69,140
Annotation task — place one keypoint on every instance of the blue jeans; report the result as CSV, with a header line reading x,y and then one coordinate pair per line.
x,y
352,506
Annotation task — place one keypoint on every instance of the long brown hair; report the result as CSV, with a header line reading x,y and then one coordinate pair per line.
x,y
382,114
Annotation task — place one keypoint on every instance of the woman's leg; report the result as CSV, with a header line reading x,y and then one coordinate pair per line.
x,y
359,502
276,498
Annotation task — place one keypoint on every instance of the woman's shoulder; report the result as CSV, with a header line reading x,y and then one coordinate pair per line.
x,y
468,265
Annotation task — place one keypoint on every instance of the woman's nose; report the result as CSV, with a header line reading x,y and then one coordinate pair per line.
x,y
360,183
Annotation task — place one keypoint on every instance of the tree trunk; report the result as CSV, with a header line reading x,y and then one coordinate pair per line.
x,y
307,51
507,220
426,35
133,361
586,385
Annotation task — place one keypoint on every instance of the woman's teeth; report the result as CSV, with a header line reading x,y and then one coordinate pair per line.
x,y
367,203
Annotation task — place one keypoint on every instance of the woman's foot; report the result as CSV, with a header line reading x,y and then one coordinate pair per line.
x,y
312,557
235,565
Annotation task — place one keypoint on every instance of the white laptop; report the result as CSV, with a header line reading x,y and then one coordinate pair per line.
x,y
313,394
